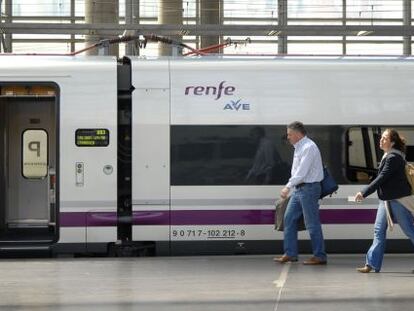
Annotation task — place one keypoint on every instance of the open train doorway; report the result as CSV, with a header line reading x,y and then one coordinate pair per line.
x,y
29,163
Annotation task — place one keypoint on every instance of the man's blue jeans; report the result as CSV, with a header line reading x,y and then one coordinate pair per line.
x,y
304,200
404,218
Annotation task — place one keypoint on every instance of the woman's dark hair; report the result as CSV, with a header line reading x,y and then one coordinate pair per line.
x,y
397,140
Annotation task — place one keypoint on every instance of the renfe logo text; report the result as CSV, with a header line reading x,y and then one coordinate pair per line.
x,y
211,90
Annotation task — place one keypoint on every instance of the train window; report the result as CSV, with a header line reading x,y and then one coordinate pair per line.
x,y
364,154
410,153
330,140
245,154
408,134
35,154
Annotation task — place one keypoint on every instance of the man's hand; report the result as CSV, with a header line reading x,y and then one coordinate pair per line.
x,y
284,193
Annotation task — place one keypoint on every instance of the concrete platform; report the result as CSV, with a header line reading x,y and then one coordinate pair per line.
x,y
204,283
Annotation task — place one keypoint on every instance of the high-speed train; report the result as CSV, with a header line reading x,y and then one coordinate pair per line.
x,y
187,156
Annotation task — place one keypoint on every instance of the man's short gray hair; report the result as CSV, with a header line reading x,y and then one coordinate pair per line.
x,y
298,127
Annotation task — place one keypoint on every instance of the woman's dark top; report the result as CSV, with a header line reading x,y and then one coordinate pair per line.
x,y
391,182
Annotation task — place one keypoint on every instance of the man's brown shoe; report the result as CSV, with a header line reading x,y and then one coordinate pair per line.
x,y
285,259
315,261
365,269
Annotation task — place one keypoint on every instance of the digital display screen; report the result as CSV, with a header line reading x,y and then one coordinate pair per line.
x,y
92,137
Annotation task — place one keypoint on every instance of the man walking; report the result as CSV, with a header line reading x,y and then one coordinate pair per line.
x,y
304,183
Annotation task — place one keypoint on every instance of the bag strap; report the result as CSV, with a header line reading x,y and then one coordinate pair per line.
x,y
400,153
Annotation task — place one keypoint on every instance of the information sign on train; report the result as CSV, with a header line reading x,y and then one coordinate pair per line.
x,y
92,137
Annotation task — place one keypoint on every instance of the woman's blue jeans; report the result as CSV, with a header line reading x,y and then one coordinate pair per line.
x,y
404,218
304,200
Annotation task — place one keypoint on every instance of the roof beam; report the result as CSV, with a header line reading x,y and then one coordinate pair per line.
x,y
200,30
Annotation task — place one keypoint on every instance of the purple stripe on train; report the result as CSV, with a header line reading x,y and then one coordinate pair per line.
x,y
109,219
265,217
209,217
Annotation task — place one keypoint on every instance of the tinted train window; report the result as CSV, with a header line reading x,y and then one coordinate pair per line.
x,y
246,155
364,154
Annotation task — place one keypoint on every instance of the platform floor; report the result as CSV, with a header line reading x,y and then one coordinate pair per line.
x,y
204,283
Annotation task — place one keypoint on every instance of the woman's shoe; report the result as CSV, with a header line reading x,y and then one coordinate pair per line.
x,y
366,269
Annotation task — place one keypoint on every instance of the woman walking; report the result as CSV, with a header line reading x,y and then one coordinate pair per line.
x,y
391,184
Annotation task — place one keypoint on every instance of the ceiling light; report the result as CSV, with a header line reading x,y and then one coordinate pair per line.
x,y
274,32
184,32
364,32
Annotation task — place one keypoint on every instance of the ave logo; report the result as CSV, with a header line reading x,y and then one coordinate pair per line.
x,y
236,105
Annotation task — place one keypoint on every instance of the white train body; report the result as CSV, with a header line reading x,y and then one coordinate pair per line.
x,y
191,124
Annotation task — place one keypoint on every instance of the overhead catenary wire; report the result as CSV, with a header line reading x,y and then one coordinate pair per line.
x,y
123,39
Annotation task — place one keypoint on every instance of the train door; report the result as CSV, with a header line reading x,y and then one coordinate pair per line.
x,y
28,164
151,153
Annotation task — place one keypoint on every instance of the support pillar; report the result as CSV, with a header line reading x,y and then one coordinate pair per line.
x,y
2,42
344,17
211,12
101,12
72,21
282,18
131,18
8,48
170,12
407,22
